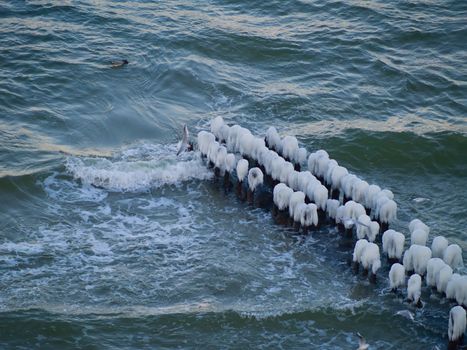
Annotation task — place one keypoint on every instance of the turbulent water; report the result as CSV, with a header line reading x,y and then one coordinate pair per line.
x,y
108,240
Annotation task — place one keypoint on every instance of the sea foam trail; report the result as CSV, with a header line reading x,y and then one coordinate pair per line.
x,y
139,168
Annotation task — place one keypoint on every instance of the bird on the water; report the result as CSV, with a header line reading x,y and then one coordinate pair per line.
x,y
118,64
184,144
362,344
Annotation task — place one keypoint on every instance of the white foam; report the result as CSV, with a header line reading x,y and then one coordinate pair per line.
x,y
134,311
68,191
139,169
22,248
99,247
421,200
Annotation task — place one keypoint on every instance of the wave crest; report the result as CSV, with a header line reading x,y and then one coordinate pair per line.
x,y
139,169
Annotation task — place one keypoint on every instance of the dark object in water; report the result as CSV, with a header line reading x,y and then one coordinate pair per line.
x,y
118,64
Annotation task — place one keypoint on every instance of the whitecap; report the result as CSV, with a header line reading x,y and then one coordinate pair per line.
x,y
138,169
420,200
22,248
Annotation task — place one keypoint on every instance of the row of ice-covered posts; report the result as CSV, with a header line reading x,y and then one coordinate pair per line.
x,y
326,191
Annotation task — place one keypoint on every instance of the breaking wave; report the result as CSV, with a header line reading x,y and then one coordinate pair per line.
x,y
139,168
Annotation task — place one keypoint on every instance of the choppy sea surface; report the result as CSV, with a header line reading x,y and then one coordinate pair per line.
x,y
110,241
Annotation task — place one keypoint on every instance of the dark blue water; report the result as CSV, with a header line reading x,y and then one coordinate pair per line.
x,y
108,240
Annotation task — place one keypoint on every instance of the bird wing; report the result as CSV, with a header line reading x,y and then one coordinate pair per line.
x,y
406,314
362,344
183,144
185,134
